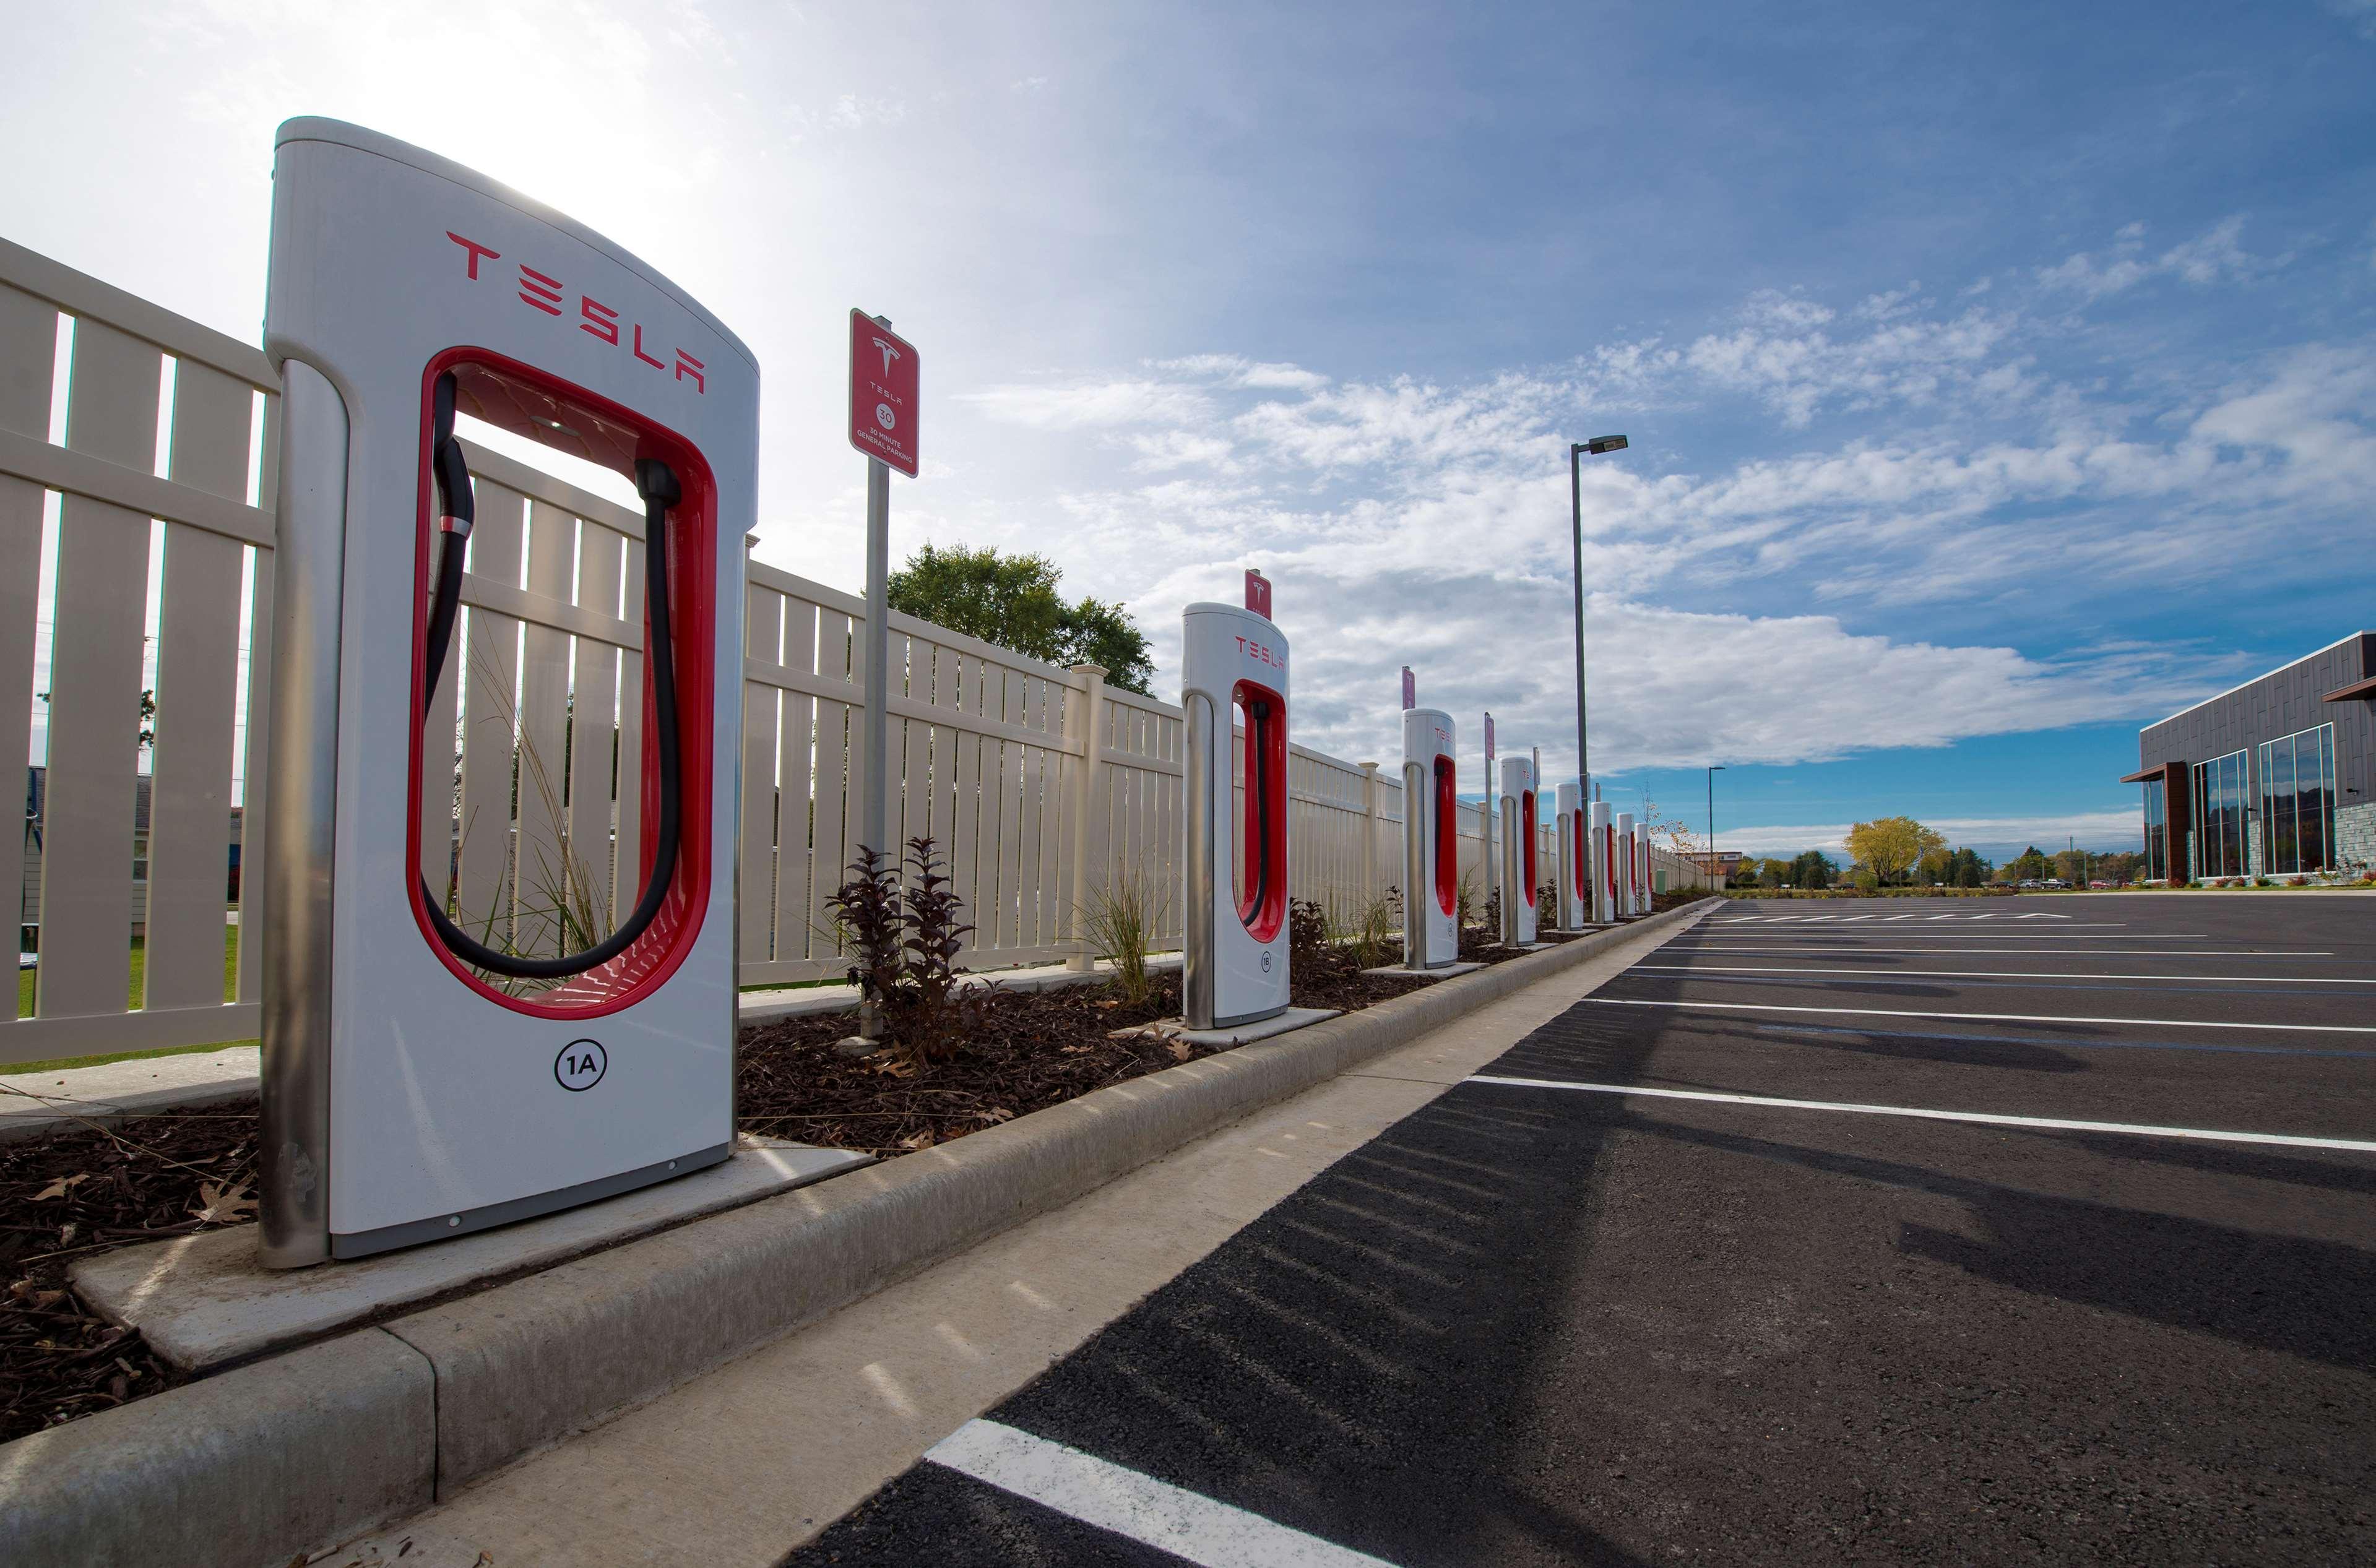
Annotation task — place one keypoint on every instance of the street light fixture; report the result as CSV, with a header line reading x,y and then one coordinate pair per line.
x,y
1576,453
1713,770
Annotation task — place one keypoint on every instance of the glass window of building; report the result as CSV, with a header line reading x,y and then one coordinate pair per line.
x,y
2156,832
2297,802
2219,797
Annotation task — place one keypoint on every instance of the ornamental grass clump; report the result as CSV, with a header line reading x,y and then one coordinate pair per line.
x,y
1121,919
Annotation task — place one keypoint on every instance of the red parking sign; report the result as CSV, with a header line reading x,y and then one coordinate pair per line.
x,y
883,401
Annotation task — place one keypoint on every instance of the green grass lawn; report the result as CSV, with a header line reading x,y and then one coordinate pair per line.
x,y
139,975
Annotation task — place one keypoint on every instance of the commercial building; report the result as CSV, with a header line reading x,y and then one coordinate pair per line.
x,y
2277,776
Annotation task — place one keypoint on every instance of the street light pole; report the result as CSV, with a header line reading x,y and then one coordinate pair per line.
x,y
1576,456
1714,770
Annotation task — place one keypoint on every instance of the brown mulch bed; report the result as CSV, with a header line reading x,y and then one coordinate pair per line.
x,y
71,1193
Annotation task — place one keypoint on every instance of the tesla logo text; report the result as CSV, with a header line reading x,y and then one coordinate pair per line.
x,y
541,292
1263,653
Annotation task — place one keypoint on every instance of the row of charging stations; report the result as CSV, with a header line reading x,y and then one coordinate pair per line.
x,y
413,1088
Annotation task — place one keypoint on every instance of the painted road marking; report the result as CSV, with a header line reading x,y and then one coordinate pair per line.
x,y
1169,1518
2058,951
1808,919
2290,1140
1984,974
2060,1044
1986,1017
1717,931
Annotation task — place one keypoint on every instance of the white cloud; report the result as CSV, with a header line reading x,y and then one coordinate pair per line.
x,y
2360,14
2217,256
1995,836
1090,403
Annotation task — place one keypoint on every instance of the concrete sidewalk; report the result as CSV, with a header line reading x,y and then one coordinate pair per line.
x,y
744,1464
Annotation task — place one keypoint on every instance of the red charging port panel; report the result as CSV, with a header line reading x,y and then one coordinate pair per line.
x,y
1261,899
527,401
1527,819
1447,848
1583,853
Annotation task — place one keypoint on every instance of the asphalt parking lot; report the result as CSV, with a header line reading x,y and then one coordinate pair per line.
x,y
1952,1231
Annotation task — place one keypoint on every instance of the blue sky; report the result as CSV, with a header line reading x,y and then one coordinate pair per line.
x,y
1999,377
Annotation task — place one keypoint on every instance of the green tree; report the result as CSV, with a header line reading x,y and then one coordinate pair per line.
x,y
1970,870
2030,865
1889,845
1935,868
1812,869
1013,600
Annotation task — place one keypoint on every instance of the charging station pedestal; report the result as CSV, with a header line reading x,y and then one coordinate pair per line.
x,y
1642,868
1574,885
1431,844
1604,863
1622,853
411,1090
1234,676
1519,856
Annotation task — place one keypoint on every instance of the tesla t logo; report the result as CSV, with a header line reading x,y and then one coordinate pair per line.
x,y
539,291
889,353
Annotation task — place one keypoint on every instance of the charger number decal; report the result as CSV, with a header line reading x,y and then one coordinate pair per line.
x,y
580,1065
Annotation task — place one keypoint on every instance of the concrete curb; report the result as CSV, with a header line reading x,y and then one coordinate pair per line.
x,y
313,1447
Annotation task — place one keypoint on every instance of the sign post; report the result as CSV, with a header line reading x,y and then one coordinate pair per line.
x,y
1489,804
884,381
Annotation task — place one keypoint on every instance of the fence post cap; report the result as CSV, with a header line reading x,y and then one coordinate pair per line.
x,y
1098,670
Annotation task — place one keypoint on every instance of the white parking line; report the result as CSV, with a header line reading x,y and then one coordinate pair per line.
x,y
1717,933
1157,1514
1816,920
1985,1017
2290,1140
1679,945
1985,974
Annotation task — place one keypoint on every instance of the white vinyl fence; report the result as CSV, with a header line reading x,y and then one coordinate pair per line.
x,y
137,458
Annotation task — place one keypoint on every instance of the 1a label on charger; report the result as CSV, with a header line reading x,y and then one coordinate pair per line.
x,y
580,1065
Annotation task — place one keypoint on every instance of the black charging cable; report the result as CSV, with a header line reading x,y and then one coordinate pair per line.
x,y
657,485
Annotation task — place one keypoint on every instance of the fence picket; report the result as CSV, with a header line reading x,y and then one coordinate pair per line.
x,y
490,686
94,706
763,632
796,745
594,718
197,669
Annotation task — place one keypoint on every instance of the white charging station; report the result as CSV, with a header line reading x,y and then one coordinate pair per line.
x,y
1518,855
1574,856
1621,852
413,1088
1640,868
1431,839
1233,681
1604,863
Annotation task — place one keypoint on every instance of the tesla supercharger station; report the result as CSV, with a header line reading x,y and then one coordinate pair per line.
x,y
1518,840
1431,839
1622,853
1604,864
411,1090
1233,677
1640,868
1575,860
